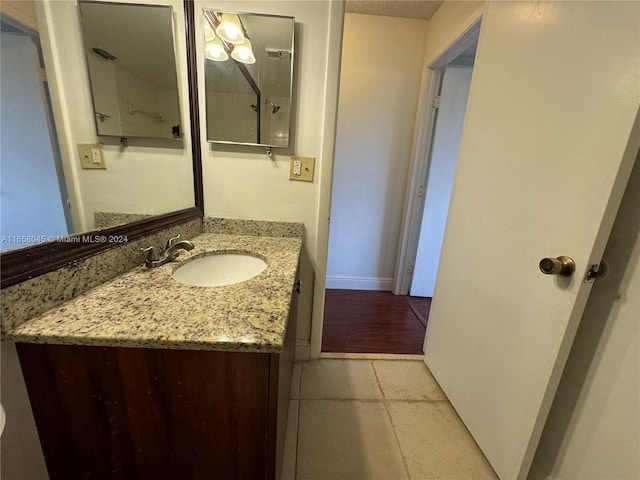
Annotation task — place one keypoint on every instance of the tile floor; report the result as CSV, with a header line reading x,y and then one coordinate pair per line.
x,y
378,418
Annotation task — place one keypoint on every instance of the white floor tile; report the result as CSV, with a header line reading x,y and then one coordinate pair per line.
x,y
350,440
407,380
339,379
435,443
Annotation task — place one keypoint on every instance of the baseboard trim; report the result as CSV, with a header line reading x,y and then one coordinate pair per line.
x,y
303,350
359,283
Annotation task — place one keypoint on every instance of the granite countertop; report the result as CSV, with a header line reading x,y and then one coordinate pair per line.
x,y
146,308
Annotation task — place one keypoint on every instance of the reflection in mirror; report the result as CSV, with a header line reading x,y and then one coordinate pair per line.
x,y
132,67
248,78
144,178
46,192
32,188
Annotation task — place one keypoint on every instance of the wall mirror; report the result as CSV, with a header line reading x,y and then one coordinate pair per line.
x,y
248,78
132,68
132,175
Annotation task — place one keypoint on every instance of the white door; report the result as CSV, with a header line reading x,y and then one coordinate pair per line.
x,y
446,142
548,145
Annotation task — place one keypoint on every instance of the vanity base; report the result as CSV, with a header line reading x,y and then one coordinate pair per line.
x,y
132,413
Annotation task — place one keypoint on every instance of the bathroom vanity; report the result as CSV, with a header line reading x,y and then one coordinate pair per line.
x,y
147,378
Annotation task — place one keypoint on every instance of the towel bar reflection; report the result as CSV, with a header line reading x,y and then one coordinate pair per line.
x,y
102,116
153,115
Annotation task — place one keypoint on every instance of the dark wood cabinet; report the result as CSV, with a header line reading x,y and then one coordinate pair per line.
x,y
150,414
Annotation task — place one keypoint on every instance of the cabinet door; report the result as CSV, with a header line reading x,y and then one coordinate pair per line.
x,y
123,413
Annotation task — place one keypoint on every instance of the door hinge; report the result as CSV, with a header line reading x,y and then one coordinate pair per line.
x,y
43,74
422,192
436,101
410,268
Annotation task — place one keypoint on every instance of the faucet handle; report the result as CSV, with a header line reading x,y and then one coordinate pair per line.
x,y
172,241
152,253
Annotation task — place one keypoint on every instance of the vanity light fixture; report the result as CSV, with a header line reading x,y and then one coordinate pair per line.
x,y
230,30
225,35
243,53
214,50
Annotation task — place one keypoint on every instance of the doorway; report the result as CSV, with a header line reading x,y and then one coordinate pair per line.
x,y
364,309
446,90
451,103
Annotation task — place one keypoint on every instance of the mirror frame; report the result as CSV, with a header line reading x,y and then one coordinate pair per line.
x,y
22,264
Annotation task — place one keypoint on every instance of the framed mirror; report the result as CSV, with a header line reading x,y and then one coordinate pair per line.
x,y
131,59
20,264
248,78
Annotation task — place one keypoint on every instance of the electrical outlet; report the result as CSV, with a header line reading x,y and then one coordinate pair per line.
x,y
91,155
301,168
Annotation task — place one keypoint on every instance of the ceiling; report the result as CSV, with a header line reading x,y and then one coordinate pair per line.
x,y
394,8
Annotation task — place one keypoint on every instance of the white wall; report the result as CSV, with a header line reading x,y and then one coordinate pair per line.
x,y
379,88
30,196
138,179
244,182
248,184
454,94
593,429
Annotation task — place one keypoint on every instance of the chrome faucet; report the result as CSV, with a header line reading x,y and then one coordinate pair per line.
x,y
170,252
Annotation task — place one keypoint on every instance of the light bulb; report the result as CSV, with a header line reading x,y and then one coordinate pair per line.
x,y
243,53
229,29
215,51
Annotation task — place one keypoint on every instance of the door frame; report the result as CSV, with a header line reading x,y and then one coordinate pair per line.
x,y
422,148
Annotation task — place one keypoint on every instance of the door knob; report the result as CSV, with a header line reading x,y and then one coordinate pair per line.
x,y
562,265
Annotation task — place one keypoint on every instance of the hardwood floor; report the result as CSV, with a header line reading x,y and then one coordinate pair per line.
x,y
363,321
421,307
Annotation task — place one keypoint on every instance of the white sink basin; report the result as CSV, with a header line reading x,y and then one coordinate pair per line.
x,y
219,269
